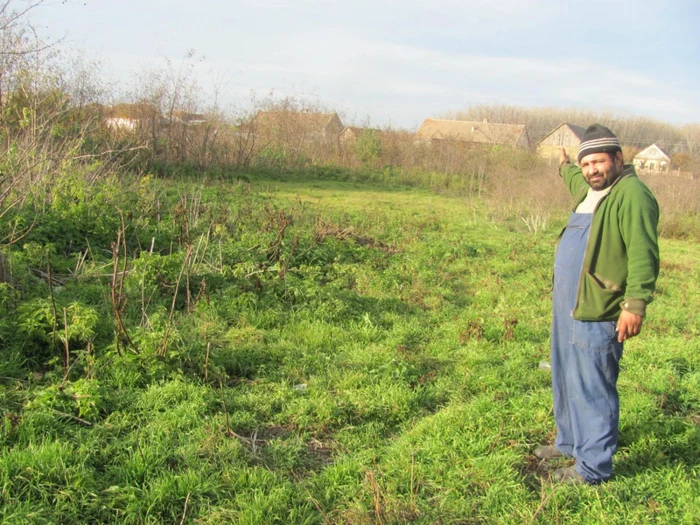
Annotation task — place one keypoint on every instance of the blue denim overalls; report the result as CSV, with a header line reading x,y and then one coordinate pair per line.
x,y
585,365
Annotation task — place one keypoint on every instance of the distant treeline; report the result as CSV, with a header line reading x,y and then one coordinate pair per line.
x,y
632,131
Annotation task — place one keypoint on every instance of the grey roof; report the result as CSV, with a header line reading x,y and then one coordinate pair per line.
x,y
578,130
468,131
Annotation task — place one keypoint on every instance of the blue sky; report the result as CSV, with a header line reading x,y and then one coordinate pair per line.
x,y
399,62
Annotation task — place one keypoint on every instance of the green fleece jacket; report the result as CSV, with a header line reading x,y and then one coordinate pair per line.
x,y
621,262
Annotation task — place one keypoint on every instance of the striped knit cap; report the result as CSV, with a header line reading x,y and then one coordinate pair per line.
x,y
598,139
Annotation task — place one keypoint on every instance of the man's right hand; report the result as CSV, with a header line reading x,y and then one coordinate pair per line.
x,y
563,157
628,325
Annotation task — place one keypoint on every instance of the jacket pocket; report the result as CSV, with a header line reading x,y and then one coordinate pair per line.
x,y
597,301
604,282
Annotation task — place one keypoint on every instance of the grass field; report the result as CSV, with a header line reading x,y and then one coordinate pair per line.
x,y
316,352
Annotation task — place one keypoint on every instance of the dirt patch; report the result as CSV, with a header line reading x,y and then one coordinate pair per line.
x,y
322,230
533,466
321,452
667,266
259,438
474,330
273,432
533,470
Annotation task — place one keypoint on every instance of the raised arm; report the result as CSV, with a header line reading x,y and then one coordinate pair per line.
x,y
573,178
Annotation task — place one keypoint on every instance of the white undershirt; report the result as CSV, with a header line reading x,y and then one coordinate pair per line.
x,y
592,199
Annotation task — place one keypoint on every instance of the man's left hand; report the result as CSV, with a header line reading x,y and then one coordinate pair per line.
x,y
628,325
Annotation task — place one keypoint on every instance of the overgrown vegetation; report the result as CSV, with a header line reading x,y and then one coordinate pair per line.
x,y
287,351
301,332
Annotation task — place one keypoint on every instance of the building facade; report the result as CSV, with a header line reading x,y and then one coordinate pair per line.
x,y
565,135
652,159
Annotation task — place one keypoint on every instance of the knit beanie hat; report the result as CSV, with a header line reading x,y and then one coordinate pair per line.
x,y
598,139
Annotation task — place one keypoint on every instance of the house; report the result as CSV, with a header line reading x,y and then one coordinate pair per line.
x,y
652,159
188,119
297,125
351,133
485,132
565,135
128,116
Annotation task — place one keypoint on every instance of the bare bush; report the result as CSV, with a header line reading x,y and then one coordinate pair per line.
x,y
51,123
38,125
679,203
691,134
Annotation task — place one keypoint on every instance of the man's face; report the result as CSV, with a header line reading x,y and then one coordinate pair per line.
x,y
600,169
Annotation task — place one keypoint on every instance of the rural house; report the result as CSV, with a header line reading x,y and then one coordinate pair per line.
x,y
652,159
485,132
128,116
188,119
564,135
287,126
350,134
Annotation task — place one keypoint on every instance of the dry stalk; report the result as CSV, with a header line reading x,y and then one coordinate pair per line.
x,y
413,488
112,288
66,355
5,276
184,511
377,496
223,402
89,358
80,263
163,350
126,254
74,418
196,252
144,317
313,500
116,296
188,294
11,239
53,300
321,231
206,362
206,245
543,503
535,223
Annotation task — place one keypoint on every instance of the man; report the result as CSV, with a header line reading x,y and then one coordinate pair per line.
x,y
605,271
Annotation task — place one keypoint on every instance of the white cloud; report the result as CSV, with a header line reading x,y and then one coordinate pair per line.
x,y
364,71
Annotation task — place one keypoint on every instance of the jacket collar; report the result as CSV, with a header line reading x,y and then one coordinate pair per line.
x,y
627,172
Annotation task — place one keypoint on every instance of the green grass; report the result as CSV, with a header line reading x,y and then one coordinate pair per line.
x,y
377,362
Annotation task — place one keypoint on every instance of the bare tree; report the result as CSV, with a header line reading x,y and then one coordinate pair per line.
x,y
691,134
